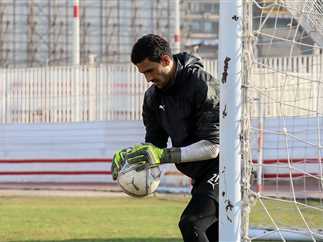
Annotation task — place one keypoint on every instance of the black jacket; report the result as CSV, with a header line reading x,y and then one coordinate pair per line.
x,y
187,111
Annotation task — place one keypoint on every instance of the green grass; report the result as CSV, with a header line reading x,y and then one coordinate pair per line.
x,y
88,219
287,215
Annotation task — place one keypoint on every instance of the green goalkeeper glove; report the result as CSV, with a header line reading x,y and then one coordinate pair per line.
x,y
117,162
149,154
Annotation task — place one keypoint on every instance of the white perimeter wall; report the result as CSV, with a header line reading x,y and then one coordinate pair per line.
x,y
71,152
82,152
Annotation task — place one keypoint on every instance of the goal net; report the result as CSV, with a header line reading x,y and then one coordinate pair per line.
x,y
283,120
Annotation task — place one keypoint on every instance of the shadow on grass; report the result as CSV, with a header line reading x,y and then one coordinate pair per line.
x,y
108,240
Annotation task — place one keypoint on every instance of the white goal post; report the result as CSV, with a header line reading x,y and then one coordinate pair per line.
x,y
230,56
271,120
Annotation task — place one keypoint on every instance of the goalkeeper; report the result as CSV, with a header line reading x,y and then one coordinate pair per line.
x,y
181,104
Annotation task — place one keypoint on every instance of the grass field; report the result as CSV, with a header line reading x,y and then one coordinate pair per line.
x,y
102,219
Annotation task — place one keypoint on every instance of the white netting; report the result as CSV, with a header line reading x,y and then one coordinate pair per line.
x,y
283,119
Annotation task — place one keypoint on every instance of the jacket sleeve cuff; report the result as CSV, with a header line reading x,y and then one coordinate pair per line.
x,y
171,155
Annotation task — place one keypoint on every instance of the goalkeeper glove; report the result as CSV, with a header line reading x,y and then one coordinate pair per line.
x,y
149,154
117,162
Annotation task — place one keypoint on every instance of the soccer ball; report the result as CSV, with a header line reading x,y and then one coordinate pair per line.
x,y
139,180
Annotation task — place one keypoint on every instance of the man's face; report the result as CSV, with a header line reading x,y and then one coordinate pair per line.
x,y
157,73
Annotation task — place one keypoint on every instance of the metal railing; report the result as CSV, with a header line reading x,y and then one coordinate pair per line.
x,y
110,92
73,93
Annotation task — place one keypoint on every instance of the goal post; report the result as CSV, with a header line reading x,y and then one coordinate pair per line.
x,y
271,120
230,55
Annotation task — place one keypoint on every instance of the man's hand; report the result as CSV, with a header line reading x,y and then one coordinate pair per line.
x,y
152,155
146,154
117,162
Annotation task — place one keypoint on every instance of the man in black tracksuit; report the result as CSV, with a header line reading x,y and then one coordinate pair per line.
x,y
182,103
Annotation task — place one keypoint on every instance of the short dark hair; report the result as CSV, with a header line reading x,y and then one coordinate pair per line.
x,y
150,46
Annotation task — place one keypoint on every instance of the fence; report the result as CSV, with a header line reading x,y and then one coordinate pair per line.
x,y
108,92
72,94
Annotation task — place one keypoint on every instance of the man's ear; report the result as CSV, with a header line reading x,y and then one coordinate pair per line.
x,y
165,60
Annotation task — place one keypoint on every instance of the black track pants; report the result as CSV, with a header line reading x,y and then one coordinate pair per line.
x,y
198,222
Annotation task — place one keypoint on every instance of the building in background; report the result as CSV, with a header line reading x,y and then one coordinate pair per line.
x,y
40,32
200,27
278,25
